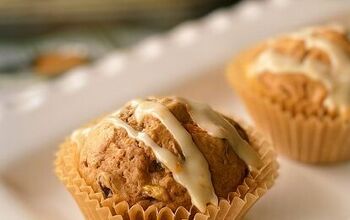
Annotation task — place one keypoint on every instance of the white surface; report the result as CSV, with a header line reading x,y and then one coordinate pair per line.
x,y
301,191
9,200
182,62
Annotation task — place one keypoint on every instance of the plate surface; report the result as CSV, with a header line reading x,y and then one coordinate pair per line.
x,y
300,192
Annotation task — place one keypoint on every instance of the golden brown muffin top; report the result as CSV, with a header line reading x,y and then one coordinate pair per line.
x,y
164,152
308,71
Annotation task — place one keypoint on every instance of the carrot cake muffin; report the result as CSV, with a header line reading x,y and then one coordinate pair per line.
x,y
297,89
165,156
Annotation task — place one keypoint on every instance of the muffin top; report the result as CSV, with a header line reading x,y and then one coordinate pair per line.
x,y
164,152
308,71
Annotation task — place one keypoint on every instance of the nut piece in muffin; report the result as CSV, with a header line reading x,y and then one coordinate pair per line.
x,y
164,152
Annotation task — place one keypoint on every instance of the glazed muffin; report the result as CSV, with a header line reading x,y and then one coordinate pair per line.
x,y
297,89
165,154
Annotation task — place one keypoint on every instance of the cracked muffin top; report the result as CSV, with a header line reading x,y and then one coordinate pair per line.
x,y
307,71
164,152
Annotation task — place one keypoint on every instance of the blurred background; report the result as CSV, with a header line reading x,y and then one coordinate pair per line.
x,y
42,39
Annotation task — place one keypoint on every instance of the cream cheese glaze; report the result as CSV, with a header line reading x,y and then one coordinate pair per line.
x,y
192,172
335,77
217,126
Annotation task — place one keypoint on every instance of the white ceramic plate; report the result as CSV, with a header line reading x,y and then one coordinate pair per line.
x,y
187,61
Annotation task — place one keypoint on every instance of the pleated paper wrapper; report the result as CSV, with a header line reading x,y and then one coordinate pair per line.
x,y
95,207
309,139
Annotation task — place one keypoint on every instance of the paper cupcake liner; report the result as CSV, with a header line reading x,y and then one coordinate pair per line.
x,y
309,139
94,206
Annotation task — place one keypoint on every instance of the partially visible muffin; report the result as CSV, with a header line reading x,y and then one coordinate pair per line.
x,y
166,152
304,74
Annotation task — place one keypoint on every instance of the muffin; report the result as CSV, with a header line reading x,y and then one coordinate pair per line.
x,y
296,87
166,158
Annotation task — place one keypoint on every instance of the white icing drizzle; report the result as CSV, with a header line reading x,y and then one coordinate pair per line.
x,y
78,134
217,126
336,77
193,171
